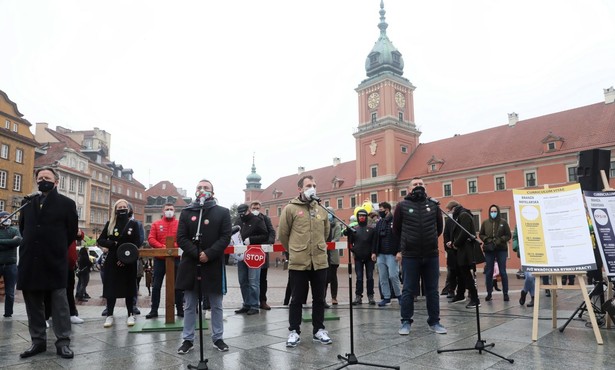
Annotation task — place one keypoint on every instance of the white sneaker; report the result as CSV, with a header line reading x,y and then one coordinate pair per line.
x,y
108,322
76,320
130,321
322,336
293,339
207,315
47,324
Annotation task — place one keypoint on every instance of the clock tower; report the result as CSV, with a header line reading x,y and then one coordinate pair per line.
x,y
387,134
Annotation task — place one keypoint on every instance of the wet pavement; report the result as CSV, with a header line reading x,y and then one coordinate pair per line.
x,y
258,341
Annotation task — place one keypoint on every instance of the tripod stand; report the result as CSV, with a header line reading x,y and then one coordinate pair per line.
x,y
202,362
596,294
480,345
351,358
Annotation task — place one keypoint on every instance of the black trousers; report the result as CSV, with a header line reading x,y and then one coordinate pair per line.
x,y
263,284
35,308
466,277
301,282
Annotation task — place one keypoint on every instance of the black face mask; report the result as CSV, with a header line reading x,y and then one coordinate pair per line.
x,y
382,214
45,186
418,193
121,213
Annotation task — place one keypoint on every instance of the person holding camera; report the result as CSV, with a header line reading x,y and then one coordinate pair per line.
x,y
495,234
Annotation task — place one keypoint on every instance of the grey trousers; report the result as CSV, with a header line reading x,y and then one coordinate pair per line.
x,y
60,315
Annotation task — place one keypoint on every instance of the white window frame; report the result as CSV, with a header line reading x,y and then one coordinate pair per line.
x,y
72,184
19,155
4,151
495,182
7,124
17,180
352,201
468,181
574,169
15,127
372,169
81,186
2,209
62,182
340,203
449,183
525,173
3,176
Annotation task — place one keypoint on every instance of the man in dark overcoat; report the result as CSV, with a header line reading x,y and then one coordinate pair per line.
x,y
48,225
214,236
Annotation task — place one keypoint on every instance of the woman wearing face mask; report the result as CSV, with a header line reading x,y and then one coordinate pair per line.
x,y
495,234
120,278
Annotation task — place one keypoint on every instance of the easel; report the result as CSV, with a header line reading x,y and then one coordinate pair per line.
x,y
557,285
170,253
609,284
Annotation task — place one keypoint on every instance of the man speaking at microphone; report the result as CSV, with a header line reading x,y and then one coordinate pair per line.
x,y
49,226
213,237
304,228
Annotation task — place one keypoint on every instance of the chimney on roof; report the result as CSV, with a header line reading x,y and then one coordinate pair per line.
x,y
300,170
513,118
609,95
336,161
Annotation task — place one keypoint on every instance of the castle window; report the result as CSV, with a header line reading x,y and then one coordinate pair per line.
x,y
401,116
374,171
500,183
551,146
374,116
404,149
530,178
572,173
472,186
447,189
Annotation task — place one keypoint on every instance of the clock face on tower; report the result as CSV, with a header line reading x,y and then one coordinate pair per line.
x,y
373,100
400,99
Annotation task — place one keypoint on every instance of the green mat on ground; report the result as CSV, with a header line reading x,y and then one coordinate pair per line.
x,y
155,325
328,316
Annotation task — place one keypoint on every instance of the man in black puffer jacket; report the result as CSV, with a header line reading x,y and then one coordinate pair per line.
x,y
417,223
361,244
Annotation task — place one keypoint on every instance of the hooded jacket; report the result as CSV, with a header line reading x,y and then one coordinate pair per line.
x,y
303,231
495,230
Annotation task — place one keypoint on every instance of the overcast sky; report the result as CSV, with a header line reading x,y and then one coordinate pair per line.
x,y
191,89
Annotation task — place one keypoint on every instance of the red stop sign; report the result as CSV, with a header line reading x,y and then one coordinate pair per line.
x,y
254,257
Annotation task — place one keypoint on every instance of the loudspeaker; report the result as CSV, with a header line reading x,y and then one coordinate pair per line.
x,y
590,164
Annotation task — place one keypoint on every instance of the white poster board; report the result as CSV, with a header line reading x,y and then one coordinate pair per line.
x,y
553,230
601,207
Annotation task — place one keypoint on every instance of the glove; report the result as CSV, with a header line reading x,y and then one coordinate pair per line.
x,y
246,241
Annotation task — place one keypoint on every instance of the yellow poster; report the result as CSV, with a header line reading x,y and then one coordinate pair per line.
x,y
552,229
535,250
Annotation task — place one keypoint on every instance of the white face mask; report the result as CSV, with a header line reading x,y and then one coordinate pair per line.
x,y
309,192
169,214
255,213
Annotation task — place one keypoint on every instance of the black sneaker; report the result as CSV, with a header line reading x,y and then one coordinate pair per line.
x,y
458,299
473,304
185,347
151,315
220,345
242,310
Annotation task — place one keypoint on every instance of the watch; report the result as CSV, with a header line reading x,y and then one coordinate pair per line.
x,y
373,100
400,99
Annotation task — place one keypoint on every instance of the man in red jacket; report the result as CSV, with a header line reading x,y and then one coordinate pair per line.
x,y
166,226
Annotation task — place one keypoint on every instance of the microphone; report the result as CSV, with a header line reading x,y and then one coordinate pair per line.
x,y
314,197
33,195
235,229
202,200
434,200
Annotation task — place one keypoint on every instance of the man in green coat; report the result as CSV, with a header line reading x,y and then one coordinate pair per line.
x,y
304,228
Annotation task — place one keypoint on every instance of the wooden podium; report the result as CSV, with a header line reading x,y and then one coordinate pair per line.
x,y
170,253
557,285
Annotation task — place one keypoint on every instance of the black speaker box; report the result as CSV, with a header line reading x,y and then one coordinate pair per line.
x,y
590,164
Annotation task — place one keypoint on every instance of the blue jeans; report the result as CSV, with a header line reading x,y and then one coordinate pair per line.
x,y
249,283
369,276
190,313
490,259
10,279
388,274
528,285
427,269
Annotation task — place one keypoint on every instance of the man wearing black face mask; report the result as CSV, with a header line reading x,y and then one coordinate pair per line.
x,y
253,231
417,223
385,249
361,243
49,225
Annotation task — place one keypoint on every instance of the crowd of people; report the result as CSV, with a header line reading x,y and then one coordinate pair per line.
x,y
401,243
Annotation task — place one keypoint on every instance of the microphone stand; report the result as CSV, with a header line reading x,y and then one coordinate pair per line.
x,y
480,345
27,201
202,362
350,358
